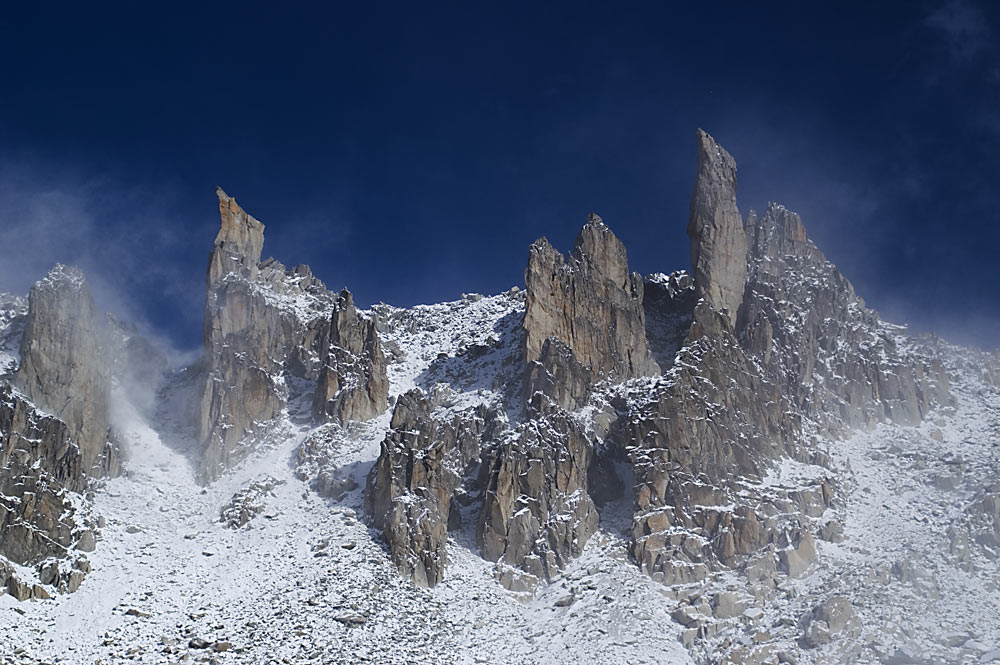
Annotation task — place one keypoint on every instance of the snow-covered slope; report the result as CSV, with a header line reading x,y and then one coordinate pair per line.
x,y
306,581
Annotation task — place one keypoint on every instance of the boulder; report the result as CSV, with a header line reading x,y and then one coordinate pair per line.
x,y
796,559
830,619
727,605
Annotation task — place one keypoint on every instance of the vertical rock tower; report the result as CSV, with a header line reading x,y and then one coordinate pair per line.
x,y
265,323
587,305
64,368
718,241
240,387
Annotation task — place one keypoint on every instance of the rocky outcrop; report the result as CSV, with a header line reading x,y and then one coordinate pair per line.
x,y
63,367
711,420
246,338
54,432
249,502
38,439
557,378
591,303
352,383
39,464
428,469
537,513
833,358
718,241
266,325
779,335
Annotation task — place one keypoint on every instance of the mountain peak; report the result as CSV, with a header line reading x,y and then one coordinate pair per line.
x,y
239,242
715,227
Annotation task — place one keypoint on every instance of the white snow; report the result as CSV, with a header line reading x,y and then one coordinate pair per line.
x,y
285,588
166,570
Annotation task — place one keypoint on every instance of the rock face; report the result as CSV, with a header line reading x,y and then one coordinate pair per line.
x,y
352,382
427,470
558,378
265,326
833,358
13,312
238,244
709,421
589,302
64,369
246,337
718,241
54,431
30,526
39,464
538,513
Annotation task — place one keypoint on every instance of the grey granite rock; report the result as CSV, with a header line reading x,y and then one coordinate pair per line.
x,y
352,382
39,464
718,241
712,419
591,303
64,368
834,359
266,326
428,468
538,513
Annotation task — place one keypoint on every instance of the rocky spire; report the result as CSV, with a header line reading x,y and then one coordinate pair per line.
x,y
590,302
352,383
238,244
718,241
264,323
836,363
779,233
246,340
63,367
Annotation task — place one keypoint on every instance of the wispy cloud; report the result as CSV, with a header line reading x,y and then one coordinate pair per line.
x,y
122,237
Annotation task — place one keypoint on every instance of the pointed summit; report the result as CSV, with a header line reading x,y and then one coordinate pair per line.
x,y
597,245
239,242
718,241
589,301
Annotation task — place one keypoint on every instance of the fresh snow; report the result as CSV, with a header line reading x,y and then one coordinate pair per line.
x,y
307,581
284,588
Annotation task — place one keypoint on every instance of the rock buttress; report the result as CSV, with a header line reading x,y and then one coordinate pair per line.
x,y
718,241
592,304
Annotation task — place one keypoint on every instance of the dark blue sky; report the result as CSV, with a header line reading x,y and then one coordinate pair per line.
x,y
413,151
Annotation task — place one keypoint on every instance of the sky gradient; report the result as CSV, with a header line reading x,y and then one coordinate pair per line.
x,y
413,152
